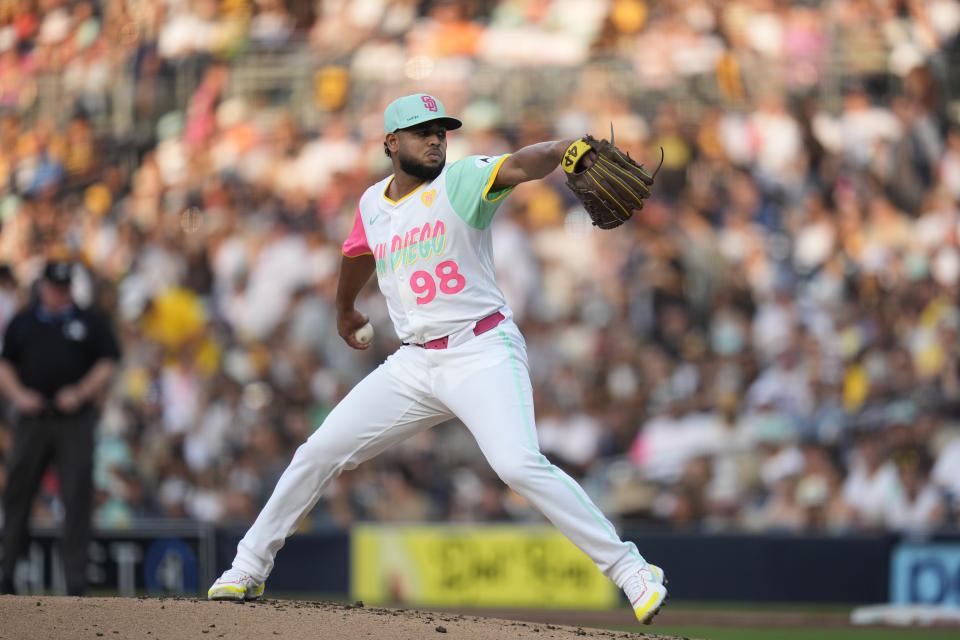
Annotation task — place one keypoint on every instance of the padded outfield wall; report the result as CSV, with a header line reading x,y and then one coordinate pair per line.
x,y
502,565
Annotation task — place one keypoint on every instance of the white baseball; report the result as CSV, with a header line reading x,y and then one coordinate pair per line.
x,y
364,334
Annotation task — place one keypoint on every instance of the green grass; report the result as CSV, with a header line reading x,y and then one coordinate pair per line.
x,y
811,633
828,608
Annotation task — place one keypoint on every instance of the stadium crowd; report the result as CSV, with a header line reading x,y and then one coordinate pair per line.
x,y
772,346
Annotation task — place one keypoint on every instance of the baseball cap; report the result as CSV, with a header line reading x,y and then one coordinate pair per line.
x,y
57,272
415,109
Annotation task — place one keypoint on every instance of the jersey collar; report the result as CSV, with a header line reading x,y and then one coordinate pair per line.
x,y
396,202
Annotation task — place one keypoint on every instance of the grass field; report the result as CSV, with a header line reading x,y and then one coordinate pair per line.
x,y
775,621
807,633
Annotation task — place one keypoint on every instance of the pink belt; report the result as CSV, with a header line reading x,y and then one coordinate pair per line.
x,y
482,326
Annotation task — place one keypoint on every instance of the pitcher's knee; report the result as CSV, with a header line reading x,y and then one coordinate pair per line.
x,y
517,473
318,451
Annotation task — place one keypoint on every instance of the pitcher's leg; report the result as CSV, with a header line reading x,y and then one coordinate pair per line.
x,y
379,412
496,404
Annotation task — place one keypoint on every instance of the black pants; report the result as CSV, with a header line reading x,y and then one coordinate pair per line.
x,y
67,441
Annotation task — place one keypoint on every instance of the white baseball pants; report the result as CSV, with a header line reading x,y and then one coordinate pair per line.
x,y
485,382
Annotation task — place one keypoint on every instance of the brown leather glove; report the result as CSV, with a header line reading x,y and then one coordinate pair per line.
x,y
612,187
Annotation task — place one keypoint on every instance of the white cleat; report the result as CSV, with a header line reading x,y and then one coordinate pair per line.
x,y
655,574
235,584
646,592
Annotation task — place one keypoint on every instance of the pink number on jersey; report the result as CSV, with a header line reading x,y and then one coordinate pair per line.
x,y
447,273
422,282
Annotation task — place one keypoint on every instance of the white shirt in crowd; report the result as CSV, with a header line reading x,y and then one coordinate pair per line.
x,y
868,493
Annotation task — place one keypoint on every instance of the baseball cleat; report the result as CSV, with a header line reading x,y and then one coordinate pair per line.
x,y
646,592
235,584
655,573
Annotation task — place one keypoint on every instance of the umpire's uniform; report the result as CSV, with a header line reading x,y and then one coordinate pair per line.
x,y
50,352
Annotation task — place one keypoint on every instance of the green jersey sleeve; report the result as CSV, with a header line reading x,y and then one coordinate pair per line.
x,y
468,184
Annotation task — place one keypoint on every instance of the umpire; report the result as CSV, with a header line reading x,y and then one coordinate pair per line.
x,y
56,359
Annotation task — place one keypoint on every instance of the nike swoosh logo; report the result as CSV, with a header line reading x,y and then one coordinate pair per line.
x,y
374,218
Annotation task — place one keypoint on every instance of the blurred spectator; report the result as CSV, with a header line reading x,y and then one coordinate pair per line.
x,y
871,481
916,506
946,472
8,297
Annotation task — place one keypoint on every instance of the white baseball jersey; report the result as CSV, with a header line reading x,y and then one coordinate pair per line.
x,y
433,249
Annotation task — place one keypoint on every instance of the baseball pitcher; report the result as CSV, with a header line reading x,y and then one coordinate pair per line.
x,y
425,232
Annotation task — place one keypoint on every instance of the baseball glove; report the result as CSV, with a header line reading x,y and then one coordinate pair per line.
x,y
613,186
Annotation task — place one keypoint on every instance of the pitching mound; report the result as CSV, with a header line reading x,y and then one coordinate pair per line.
x,y
62,618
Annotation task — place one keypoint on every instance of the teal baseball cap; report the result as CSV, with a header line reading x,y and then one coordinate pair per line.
x,y
415,109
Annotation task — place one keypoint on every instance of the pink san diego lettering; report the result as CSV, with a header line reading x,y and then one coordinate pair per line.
x,y
418,243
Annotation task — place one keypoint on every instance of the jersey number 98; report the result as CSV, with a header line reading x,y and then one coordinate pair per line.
x,y
447,278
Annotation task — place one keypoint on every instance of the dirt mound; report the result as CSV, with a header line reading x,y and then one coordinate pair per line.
x,y
63,618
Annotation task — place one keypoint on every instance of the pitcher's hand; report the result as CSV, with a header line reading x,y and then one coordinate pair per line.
x,y
347,323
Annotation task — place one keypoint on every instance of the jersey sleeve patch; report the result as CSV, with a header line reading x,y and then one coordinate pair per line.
x,y
356,243
493,196
468,184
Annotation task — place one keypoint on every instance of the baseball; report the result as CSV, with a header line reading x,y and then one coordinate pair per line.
x,y
364,334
